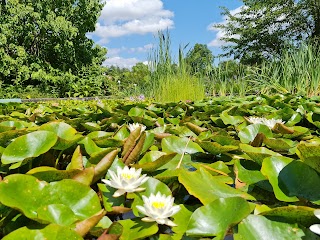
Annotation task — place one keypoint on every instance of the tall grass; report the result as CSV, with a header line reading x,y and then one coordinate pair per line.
x,y
296,72
171,81
229,78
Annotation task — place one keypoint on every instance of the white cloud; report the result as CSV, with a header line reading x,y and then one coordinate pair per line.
x,y
125,17
114,52
220,33
121,62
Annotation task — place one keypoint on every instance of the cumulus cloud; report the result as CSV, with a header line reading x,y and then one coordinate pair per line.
x,y
220,33
126,17
121,62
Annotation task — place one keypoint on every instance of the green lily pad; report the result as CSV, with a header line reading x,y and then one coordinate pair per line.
x,y
258,227
174,144
249,133
299,179
214,188
181,219
271,168
232,120
257,154
29,146
29,195
279,144
309,153
292,214
215,218
67,135
91,126
248,176
137,229
215,148
50,232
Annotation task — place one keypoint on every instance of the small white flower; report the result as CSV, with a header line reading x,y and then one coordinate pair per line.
x,y
158,208
126,180
316,227
134,126
255,120
270,123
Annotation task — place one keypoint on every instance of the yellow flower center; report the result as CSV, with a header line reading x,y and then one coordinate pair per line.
x,y
158,204
126,176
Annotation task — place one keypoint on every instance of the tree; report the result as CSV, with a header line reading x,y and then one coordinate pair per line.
x,y
264,28
44,39
200,59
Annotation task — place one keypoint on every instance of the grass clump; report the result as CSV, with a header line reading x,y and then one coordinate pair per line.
x,y
170,81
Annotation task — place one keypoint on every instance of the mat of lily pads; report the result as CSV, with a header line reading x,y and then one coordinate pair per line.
x,y
245,168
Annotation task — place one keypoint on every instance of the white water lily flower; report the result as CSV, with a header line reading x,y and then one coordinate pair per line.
x,y
316,227
158,208
134,126
270,123
126,180
255,120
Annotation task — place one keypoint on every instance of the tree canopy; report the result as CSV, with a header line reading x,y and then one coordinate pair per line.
x,y
200,59
262,29
44,39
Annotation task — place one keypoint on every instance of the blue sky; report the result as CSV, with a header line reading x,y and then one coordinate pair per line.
x,y
128,28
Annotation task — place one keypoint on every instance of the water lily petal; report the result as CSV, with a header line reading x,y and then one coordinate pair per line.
x,y
315,228
141,209
317,213
119,192
168,222
148,219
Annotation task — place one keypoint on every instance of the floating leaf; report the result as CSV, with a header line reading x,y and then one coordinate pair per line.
x,y
231,120
257,154
215,218
214,188
292,214
29,146
152,166
181,219
249,133
299,179
67,135
309,153
215,148
271,168
50,174
258,227
29,195
52,231
137,229
174,144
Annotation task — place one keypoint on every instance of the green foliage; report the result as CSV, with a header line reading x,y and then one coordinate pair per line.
x,y
44,44
204,154
263,29
170,81
200,60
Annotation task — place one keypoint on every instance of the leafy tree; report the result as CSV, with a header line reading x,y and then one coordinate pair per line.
x,y
200,59
44,41
262,29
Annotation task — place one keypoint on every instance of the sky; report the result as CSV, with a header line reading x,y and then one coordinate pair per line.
x,y
128,28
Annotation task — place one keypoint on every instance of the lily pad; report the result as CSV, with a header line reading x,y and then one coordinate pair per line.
x,y
258,227
215,218
52,231
214,188
29,146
